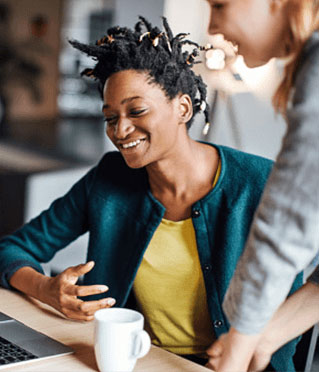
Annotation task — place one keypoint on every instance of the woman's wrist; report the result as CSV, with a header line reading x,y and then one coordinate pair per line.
x,y
30,282
270,341
295,316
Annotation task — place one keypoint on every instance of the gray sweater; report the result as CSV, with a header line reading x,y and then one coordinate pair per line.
x,y
284,237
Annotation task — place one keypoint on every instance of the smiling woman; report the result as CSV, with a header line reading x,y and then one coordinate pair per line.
x,y
167,216
141,121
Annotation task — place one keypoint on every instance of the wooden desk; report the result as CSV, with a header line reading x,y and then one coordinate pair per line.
x,y
79,336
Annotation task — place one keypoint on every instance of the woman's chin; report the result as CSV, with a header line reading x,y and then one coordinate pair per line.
x,y
134,163
253,63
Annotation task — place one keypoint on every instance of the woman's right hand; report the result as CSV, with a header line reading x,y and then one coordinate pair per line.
x,y
62,292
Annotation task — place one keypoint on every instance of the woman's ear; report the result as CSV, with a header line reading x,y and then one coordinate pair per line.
x,y
185,108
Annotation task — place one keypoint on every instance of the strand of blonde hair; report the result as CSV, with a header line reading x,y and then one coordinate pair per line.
x,y
303,18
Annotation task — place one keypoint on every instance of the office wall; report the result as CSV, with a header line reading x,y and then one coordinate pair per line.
x,y
127,11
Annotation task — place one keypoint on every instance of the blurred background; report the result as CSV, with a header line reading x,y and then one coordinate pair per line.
x,y
51,126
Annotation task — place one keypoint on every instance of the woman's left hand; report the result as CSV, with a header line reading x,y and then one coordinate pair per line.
x,y
235,352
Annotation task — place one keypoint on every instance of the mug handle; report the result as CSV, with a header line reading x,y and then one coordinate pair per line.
x,y
142,344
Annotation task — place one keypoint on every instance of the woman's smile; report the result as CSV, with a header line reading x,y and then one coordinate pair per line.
x,y
132,147
133,144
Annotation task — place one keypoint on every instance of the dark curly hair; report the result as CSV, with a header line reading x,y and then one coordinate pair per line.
x,y
159,53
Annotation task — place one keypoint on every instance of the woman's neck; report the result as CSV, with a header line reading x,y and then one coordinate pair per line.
x,y
181,180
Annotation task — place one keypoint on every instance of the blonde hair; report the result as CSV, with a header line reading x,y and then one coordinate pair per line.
x,y
303,18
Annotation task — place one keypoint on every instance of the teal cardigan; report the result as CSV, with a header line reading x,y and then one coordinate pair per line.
x,y
114,203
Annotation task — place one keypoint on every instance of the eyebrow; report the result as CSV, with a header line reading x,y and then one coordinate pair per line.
x,y
125,100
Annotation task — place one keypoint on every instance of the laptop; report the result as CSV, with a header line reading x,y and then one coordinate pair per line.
x,y
20,343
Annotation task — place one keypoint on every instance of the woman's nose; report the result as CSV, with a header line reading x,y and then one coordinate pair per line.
x,y
212,25
123,128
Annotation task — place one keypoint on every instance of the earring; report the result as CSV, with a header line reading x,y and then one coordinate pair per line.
x,y
206,128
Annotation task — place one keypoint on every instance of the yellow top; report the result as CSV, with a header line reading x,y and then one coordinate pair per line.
x,y
170,290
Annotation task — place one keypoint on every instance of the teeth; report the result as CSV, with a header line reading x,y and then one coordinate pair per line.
x,y
131,144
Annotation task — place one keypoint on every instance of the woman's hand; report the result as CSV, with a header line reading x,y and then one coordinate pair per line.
x,y
233,352
62,292
260,360
238,352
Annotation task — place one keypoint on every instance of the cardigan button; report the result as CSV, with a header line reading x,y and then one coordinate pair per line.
x,y
207,267
218,323
195,213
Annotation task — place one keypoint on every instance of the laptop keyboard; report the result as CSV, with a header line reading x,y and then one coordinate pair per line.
x,y
11,353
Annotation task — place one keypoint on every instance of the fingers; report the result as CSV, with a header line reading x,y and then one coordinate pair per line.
x,y
75,308
215,352
81,269
90,307
85,268
216,349
85,290
72,274
63,293
84,310
74,315
212,364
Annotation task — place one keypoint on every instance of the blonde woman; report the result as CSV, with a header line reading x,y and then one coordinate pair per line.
x,y
284,238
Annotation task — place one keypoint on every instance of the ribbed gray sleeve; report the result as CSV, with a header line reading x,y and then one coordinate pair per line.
x,y
284,237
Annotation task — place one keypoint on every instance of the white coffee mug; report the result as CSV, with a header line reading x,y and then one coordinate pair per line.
x,y
119,339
